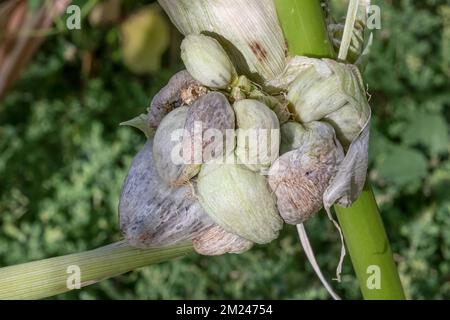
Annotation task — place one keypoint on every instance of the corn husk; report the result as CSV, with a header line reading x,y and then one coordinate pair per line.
x,y
248,30
294,67
209,123
240,201
332,91
317,92
173,170
153,214
258,134
207,61
300,177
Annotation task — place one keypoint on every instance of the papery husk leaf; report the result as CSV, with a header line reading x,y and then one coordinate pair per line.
x,y
312,259
240,201
248,30
348,183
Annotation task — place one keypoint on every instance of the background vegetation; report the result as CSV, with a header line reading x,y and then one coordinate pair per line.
x,y
63,158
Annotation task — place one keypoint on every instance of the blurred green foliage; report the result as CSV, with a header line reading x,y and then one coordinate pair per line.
x,y
63,158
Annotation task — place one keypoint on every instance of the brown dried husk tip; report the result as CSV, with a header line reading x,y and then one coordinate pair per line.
x,y
182,89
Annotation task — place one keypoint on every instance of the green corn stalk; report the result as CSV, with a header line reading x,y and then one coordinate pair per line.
x,y
49,277
305,30
366,239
